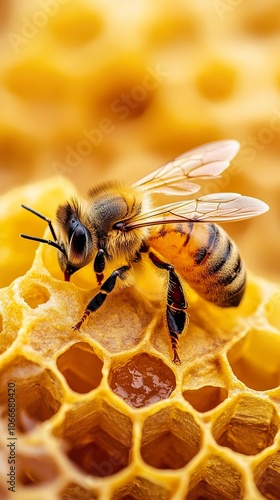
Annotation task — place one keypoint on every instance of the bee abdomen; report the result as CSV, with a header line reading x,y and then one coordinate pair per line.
x,y
225,275
207,260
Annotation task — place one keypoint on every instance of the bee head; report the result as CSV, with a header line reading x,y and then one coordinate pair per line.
x,y
74,237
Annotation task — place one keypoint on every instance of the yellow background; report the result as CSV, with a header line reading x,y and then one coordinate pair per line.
x,y
148,81
145,80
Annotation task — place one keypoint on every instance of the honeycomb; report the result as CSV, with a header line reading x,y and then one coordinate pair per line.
x,y
104,413
92,90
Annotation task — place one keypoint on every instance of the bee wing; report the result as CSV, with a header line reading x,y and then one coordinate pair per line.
x,y
218,207
203,162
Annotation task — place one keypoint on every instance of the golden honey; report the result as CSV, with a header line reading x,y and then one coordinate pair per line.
x,y
91,91
104,413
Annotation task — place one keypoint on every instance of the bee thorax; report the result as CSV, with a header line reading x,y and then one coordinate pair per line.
x,y
106,212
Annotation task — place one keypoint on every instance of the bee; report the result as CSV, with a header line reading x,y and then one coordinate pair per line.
x,y
118,227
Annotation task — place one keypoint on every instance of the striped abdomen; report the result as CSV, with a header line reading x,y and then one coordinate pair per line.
x,y
205,257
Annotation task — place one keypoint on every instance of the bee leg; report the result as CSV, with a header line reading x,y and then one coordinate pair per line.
x,y
176,305
99,266
107,287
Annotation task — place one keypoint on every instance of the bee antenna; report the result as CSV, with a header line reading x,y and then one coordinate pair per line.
x,y
42,240
54,243
45,219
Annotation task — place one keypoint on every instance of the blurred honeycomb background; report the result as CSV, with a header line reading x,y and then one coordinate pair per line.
x,y
92,90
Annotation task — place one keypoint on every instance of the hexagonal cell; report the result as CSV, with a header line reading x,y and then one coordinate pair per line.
x,y
75,491
34,81
10,320
255,360
214,479
35,294
248,426
98,438
141,488
170,439
217,81
19,158
143,380
170,28
38,393
205,398
263,21
35,469
88,25
267,477
129,71
81,367
109,325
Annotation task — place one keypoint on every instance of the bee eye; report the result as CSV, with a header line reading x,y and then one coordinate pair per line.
x,y
78,239
80,243
73,225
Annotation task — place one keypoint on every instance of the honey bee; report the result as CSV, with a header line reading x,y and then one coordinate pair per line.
x,y
117,227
